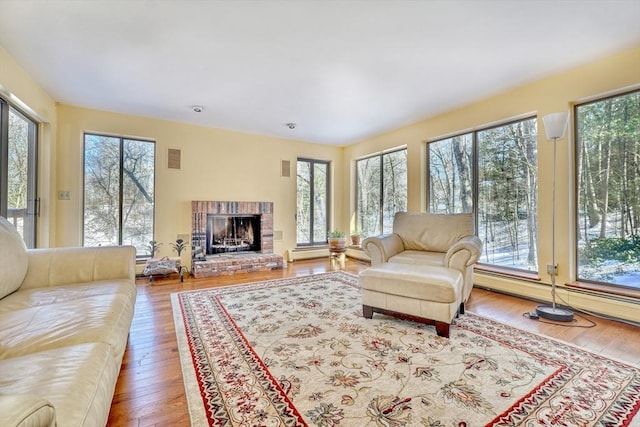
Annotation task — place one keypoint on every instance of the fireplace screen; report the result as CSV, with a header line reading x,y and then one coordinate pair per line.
x,y
232,233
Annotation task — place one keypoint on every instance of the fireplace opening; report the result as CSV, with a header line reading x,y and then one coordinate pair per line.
x,y
232,233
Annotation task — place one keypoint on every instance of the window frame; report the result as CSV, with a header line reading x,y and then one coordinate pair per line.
x,y
475,186
312,163
30,222
381,184
121,141
580,282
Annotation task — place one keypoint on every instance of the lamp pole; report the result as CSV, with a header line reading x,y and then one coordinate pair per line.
x,y
555,126
553,228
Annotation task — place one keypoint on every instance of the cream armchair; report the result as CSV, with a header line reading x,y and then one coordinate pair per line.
x,y
429,239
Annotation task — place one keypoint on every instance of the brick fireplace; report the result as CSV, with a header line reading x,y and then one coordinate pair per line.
x,y
232,237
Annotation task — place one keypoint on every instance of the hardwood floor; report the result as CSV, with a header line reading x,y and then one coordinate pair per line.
x,y
150,390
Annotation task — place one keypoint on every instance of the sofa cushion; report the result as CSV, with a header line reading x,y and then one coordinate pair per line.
x,y
101,318
78,380
61,266
431,232
419,258
14,261
56,294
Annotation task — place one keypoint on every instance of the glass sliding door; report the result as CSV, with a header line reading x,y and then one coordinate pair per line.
x,y
18,144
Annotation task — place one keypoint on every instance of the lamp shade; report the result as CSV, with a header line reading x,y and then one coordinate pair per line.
x,y
555,124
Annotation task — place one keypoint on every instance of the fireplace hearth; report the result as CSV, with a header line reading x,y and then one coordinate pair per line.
x,y
232,237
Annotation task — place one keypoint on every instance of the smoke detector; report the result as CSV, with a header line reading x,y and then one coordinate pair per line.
x,y
291,125
197,108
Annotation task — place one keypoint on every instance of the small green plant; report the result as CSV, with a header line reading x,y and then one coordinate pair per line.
x,y
336,234
356,233
178,246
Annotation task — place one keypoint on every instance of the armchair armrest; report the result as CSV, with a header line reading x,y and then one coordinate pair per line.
x,y
26,410
463,253
381,248
58,266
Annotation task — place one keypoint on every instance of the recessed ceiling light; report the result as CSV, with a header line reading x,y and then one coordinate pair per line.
x,y
197,108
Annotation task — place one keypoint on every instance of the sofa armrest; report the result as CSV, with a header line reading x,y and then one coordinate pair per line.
x,y
381,248
463,253
58,266
26,410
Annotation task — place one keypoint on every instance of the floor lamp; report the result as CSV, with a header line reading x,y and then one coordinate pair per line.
x,y
555,126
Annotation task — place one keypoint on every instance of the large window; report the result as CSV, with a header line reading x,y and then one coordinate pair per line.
x,y
313,202
381,191
119,196
502,194
608,189
18,145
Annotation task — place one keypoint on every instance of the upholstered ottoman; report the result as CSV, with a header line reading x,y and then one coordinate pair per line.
x,y
423,293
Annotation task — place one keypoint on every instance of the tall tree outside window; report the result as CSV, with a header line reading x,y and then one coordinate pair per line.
x,y
119,199
450,175
608,187
505,202
313,202
381,191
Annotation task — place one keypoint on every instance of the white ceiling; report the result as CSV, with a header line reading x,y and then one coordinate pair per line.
x,y
341,70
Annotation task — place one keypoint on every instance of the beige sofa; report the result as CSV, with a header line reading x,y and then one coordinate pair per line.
x,y
429,239
65,315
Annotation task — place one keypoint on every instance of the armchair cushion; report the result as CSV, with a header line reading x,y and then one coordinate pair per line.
x,y
14,261
431,232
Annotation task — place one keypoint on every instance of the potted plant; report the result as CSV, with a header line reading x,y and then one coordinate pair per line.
x,y
355,238
337,242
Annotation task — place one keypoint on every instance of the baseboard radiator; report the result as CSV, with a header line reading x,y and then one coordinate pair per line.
x,y
310,253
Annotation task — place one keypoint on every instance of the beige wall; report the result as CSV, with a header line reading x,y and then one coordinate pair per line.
x,y
216,165
557,93
226,165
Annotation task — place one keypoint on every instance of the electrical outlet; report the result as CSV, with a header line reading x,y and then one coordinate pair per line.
x,y
551,270
64,195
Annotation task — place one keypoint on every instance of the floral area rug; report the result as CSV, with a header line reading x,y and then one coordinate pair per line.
x,y
297,352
